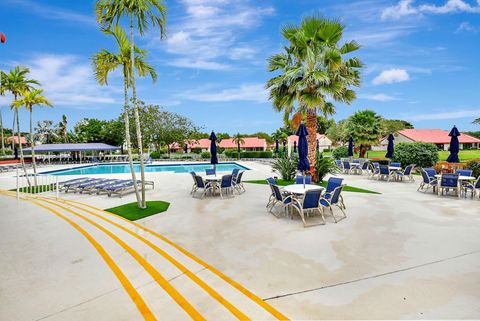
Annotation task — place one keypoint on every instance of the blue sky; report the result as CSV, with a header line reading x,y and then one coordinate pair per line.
x,y
421,59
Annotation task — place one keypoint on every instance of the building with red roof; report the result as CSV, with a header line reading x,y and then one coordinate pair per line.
x,y
15,140
438,137
249,144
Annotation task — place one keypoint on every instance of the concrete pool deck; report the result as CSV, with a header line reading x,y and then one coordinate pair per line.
x,y
401,254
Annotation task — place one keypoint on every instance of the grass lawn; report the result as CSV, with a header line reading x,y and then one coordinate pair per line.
x,y
282,182
131,211
34,189
464,155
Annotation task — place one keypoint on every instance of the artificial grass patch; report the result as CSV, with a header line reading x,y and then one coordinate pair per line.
x,y
131,211
34,189
282,182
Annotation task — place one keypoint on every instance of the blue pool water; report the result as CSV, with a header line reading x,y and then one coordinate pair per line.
x,y
125,168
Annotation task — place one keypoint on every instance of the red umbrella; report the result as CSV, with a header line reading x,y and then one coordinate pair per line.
x,y
2,37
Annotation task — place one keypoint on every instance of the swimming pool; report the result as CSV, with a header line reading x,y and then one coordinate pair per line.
x,y
125,168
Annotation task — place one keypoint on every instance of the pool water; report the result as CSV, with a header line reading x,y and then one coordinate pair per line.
x,y
125,168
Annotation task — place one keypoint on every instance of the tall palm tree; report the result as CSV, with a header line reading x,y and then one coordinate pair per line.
x,y
2,93
238,139
313,71
144,13
28,100
105,62
16,82
63,128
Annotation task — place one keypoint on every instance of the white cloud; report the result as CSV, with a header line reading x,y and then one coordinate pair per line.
x,y
466,27
247,92
468,113
69,81
207,36
377,97
391,76
407,8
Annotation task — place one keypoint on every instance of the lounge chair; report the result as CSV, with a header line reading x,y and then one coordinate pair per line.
x,y
121,188
473,188
407,173
427,181
72,181
88,185
448,182
200,184
226,185
73,185
210,171
98,188
299,179
309,203
279,198
333,200
238,184
385,172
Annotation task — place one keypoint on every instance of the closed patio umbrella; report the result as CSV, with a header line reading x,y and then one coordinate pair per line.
x,y
284,146
454,146
303,164
185,148
295,146
390,147
213,149
350,147
276,146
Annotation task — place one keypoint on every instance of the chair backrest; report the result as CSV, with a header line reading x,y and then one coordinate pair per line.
x,y
395,164
376,165
210,171
271,181
199,181
235,172
464,172
408,169
238,180
226,181
339,163
426,178
365,165
336,194
449,180
299,179
356,161
346,165
276,192
311,198
431,172
384,170
477,183
333,182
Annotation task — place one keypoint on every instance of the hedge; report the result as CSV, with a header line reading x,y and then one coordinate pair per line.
x,y
421,154
340,152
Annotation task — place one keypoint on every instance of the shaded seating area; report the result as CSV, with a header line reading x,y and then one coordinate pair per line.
x,y
75,153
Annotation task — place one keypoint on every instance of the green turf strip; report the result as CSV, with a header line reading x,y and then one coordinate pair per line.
x,y
282,182
131,211
34,189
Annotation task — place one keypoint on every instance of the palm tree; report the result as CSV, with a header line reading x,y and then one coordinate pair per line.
x,y
2,93
312,72
145,13
44,131
63,128
476,121
105,62
238,139
28,100
16,82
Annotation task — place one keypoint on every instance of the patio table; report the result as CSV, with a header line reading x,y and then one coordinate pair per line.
x,y
460,179
298,189
395,169
214,179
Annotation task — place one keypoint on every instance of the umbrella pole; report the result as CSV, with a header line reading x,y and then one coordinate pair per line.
x,y
303,172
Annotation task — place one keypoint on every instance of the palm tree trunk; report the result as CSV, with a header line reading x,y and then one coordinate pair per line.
x,y
22,160
135,113
312,140
32,145
13,130
127,135
1,129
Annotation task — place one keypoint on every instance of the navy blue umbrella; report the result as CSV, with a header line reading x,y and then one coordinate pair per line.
x,y
213,149
185,148
276,146
303,164
454,146
295,146
389,153
284,146
15,152
238,147
350,147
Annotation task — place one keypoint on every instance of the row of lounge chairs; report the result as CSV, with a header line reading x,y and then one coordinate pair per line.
x,y
13,167
100,185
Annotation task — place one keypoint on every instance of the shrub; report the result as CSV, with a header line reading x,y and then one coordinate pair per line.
x,y
340,152
325,165
326,150
256,154
422,154
155,155
205,155
474,165
196,150
285,167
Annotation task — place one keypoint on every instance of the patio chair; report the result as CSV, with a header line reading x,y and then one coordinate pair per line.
x,y
194,182
309,203
200,184
365,168
339,164
210,171
226,184
407,173
473,188
271,181
395,164
374,169
332,184
299,179
235,172
279,198
464,172
427,181
448,182
385,172
347,168
333,200
238,184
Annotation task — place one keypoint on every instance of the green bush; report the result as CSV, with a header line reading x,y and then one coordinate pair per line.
x,y
326,150
422,154
474,165
231,153
285,167
325,165
155,155
340,152
196,150
256,154
205,155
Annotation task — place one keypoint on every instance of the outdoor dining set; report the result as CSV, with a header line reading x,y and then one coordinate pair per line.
x,y
212,182
391,172
462,182
306,199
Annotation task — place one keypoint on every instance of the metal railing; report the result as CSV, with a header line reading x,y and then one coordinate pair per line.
x,y
35,183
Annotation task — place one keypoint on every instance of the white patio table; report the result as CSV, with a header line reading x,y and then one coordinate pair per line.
x,y
214,179
298,189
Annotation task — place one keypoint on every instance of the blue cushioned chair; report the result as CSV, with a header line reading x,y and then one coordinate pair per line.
x,y
334,199
332,184
200,184
464,172
346,167
210,171
279,198
385,172
473,188
407,173
448,182
427,180
309,203
299,179
226,185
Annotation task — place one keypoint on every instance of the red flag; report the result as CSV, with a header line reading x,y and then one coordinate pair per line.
x,y
2,37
